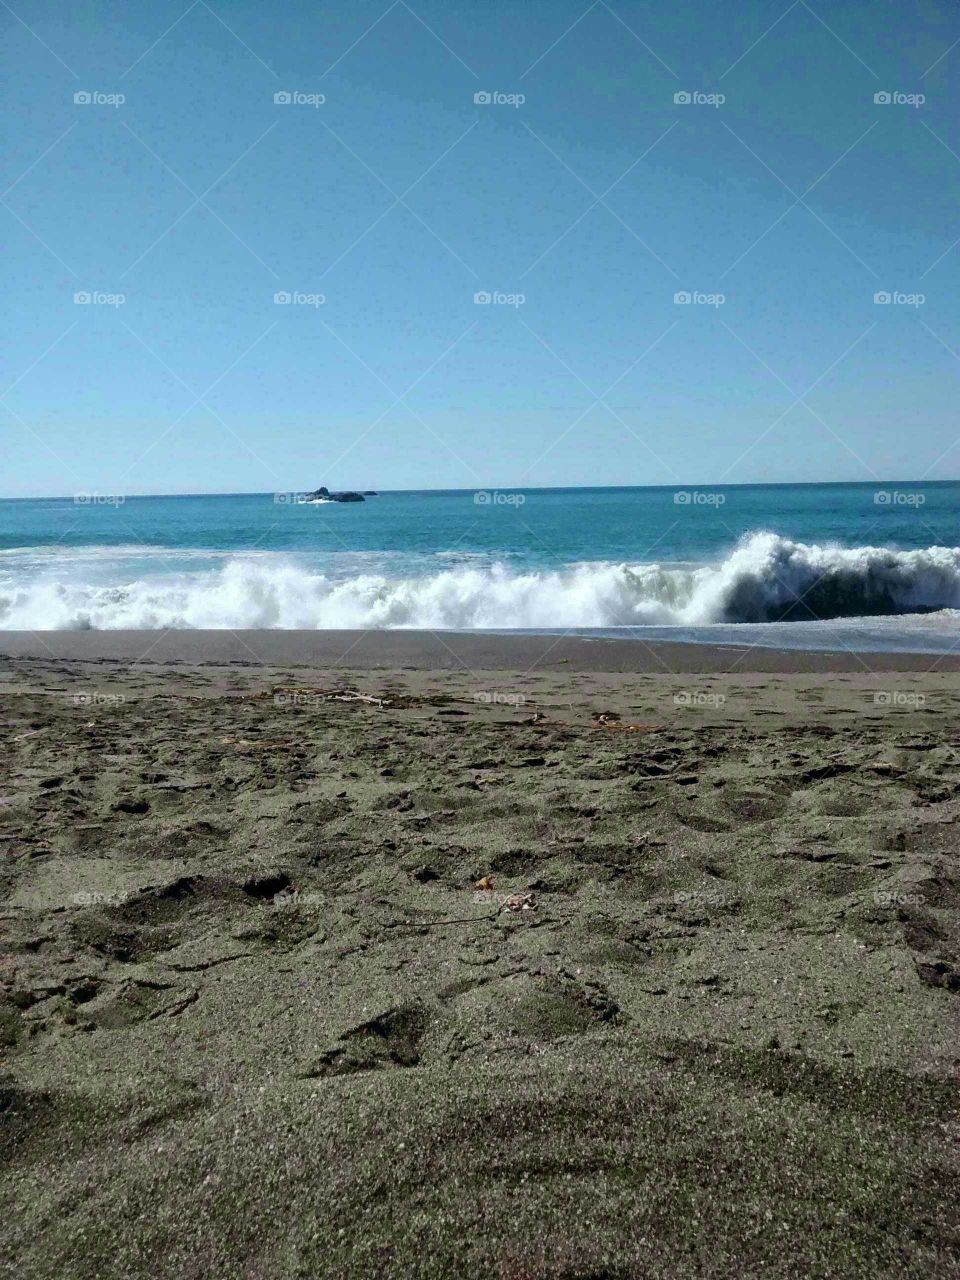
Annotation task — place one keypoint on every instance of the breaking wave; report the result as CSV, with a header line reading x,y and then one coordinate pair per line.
x,y
766,578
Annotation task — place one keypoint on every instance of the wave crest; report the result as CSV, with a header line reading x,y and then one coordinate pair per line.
x,y
767,578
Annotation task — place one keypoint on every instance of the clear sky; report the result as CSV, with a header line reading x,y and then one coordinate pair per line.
x,y
598,198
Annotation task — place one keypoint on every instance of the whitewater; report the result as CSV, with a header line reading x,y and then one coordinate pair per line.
x,y
765,578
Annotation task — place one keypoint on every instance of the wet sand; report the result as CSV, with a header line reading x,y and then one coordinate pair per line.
x,y
448,651
394,966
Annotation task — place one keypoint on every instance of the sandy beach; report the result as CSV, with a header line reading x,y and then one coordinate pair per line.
x,y
361,960
480,642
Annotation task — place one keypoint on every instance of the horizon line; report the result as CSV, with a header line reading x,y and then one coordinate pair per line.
x,y
491,488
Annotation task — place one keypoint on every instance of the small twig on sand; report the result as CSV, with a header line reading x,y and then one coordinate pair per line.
x,y
429,924
514,903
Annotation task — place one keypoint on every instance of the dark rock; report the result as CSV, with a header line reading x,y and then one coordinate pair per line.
x,y
345,495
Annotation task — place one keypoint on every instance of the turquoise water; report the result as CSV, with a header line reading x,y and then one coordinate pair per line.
x,y
550,525
794,558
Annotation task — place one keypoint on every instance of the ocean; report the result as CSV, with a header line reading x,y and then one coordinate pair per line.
x,y
824,566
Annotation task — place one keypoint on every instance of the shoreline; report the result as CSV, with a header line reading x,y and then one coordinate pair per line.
x,y
449,651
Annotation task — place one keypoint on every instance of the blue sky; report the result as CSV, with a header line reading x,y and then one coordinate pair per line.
x,y
597,199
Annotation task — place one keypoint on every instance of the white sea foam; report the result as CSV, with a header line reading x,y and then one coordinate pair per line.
x,y
766,578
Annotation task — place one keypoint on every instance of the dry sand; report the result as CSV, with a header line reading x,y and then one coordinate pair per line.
x,y
699,1019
